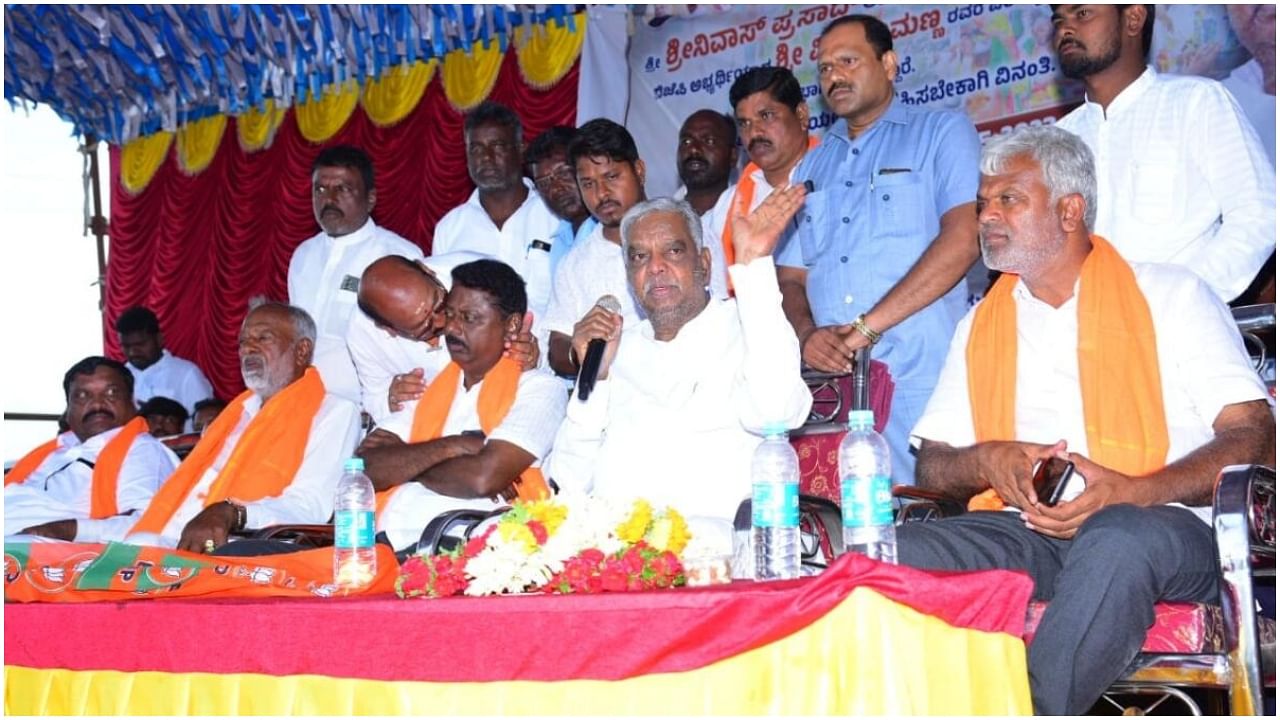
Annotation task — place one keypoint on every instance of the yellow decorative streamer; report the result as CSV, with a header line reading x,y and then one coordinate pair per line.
x,y
545,53
868,656
257,128
198,142
139,160
391,97
319,120
469,78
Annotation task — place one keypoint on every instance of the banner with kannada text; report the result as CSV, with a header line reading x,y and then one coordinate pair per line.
x,y
993,62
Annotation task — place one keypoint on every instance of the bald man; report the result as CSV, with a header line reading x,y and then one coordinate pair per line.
x,y
395,340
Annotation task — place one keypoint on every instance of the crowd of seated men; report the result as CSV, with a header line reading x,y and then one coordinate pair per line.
x,y
1118,236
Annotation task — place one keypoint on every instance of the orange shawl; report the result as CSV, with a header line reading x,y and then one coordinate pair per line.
x,y
497,394
265,458
741,205
1119,369
106,470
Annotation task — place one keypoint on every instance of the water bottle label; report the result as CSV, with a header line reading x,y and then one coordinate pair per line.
x,y
353,529
775,505
866,501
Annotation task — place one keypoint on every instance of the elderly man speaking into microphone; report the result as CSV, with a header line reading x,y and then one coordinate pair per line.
x,y
681,398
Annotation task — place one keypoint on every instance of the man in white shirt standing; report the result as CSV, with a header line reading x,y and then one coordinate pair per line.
x,y
324,273
505,218
1253,84
706,154
1182,177
272,457
484,424
610,177
156,371
106,466
1137,371
682,397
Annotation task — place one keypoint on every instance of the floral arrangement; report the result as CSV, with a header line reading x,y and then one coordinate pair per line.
x,y
565,545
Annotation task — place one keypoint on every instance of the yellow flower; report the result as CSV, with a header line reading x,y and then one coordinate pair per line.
x,y
633,529
550,514
518,533
669,532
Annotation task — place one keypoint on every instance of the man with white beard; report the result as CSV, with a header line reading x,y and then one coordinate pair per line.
x,y
273,456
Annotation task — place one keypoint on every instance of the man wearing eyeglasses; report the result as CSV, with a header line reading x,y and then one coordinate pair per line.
x,y
548,161
324,274
106,465
505,218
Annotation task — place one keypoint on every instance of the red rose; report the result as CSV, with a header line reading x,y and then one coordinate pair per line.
x,y
592,555
614,579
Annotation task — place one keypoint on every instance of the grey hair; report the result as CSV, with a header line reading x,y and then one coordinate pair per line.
x,y
1066,163
303,325
663,205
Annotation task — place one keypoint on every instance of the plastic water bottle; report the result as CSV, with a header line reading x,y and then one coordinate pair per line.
x,y
775,507
354,561
866,499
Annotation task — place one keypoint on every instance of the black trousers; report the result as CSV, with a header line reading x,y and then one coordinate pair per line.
x,y
1101,585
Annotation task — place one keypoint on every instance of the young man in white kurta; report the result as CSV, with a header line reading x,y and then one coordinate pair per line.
x,y
592,269
1182,177
171,377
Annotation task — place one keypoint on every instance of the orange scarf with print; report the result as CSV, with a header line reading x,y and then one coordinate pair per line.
x,y
497,394
265,458
741,205
1119,369
106,470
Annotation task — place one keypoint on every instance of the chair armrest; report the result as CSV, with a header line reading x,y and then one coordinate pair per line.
x,y
918,504
1244,531
312,535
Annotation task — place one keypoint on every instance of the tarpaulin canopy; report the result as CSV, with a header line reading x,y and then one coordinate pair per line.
x,y
119,72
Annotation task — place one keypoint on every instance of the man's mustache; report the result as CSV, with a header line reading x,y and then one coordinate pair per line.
x,y
455,341
694,159
331,209
1068,42
104,413
838,86
758,142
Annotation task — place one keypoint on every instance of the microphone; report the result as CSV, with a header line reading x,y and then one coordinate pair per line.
x,y
595,352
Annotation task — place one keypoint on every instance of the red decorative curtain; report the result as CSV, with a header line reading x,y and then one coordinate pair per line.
x,y
196,249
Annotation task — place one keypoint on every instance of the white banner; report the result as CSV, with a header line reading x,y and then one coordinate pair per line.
x,y
993,62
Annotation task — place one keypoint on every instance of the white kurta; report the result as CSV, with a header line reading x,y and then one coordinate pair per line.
x,y
677,422
324,277
468,227
1203,368
171,377
61,487
335,429
530,424
1182,179
592,269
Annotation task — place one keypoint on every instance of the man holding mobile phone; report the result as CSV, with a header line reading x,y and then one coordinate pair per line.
x,y
1135,374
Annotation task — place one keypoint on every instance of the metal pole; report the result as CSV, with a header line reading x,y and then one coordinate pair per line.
x,y
98,224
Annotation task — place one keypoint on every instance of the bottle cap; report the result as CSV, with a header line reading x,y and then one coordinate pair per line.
x,y
861,419
775,429
354,464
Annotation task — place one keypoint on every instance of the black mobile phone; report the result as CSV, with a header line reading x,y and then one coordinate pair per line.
x,y
1050,479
